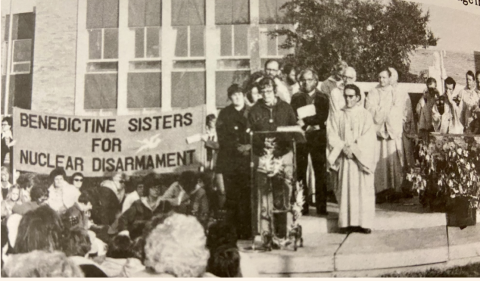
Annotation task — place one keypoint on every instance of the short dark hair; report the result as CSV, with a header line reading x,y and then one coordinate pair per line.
x,y
26,180
138,248
234,88
225,262
314,73
353,87
273,60
210,117
120,247
59,171
220,234
77,242
38,192
450,81
470,73
431,80
7,119
287,68
266,81
83,198
39,229
387,70
188,180
149,181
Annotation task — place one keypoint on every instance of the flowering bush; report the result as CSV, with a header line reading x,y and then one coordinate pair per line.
x,y
449,165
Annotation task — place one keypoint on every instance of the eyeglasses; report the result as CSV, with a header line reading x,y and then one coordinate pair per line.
x,y
266,91
78,180
307,80
349,96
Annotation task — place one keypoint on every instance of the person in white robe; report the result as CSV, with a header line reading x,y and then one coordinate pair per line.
x,y
409,130
386,107
350,156
469,99
333,81
337,101
446,112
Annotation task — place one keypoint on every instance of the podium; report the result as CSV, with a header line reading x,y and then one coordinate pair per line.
x,y
276,196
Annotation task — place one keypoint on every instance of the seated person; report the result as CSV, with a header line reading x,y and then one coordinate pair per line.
x,y
188,196
133,221
41,264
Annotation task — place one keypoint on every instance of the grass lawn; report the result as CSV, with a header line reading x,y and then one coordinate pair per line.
x,y
470,270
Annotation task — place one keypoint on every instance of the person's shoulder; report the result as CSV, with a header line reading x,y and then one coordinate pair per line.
x,y
298,96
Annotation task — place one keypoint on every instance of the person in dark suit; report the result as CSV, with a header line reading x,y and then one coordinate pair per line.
x,y
315,133
233,160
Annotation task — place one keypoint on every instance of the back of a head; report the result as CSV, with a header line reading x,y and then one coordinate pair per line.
x,y
77,242
221,234
177,247
38,192
188,180
26,180
39,229
41,264
225,262
120,247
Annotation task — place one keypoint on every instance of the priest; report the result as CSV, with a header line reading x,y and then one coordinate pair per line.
x,y
351,157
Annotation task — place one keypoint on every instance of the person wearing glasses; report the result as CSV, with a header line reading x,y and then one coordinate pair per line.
x,y
132,222
316,135
337,101
77,180
351,158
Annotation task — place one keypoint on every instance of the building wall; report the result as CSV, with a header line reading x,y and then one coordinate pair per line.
x,y
456,63
55,56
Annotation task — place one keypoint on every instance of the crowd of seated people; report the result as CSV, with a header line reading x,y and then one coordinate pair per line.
x,y
165,232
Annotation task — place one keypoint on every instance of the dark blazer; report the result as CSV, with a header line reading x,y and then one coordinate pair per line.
x,y
321,103
232,132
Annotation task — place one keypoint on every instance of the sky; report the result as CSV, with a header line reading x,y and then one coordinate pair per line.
x,y
455,23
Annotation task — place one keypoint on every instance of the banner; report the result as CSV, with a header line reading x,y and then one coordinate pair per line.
x,y
96,146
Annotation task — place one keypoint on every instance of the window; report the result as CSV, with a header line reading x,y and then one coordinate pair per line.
x,y
270,47
270,12
228,12
102,65
22,56
144,76
188,83
188,22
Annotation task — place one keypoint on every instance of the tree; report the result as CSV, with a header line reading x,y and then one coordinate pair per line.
x,y
367,34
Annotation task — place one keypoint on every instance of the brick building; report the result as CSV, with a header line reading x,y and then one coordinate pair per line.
x,y
108,57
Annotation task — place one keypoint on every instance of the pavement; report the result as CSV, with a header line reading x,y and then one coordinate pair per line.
x,y
406,237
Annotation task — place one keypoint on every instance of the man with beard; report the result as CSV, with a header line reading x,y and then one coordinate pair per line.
x,y
233,161
315,133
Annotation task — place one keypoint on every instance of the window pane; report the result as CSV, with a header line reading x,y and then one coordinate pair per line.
x,y
139,42
95,44
100,91
241,13
153,13
26,26
22,50
21,67
144,90
196,12
223,12
233,64
111,44
268,11
94,14
223,80
241,40
110,13
136,13
181,42
197,45
145,65
22,91
195,64
102,66
188,89
153,42
271,43
225,40
6,28
179,13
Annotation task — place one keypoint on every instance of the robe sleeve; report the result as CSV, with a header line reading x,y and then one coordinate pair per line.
x,y
364,146
395,117
335,142
378,111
